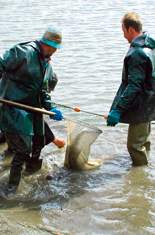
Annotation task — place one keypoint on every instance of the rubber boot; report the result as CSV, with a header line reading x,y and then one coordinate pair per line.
x,y
10,188
33,166
14,179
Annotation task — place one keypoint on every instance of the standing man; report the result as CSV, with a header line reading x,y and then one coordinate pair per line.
x,y
134,102
24,70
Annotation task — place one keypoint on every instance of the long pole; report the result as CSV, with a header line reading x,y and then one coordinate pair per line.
x,y
38,110
26,107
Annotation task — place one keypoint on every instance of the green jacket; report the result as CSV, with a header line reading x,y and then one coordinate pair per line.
x,y
136,94
24,74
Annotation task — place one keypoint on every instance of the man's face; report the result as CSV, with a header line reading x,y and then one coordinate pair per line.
x,y
127,34
51,50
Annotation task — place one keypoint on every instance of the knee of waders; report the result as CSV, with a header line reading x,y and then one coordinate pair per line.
x,y
139,159
147,145
138,155
18,161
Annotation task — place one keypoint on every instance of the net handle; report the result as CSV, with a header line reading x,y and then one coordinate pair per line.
x,y
38,110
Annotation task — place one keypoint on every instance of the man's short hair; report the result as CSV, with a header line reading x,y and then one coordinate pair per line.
x,y
132,20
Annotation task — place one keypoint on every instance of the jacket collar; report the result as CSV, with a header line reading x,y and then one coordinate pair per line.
x,y
143,40
42,51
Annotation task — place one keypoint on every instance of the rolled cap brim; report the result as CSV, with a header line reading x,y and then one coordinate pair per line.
x,y
52,38
51,43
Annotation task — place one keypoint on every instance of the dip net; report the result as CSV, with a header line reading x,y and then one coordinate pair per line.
x,y
80,138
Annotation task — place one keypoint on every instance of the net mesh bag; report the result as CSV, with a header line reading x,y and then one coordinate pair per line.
x,y
80,138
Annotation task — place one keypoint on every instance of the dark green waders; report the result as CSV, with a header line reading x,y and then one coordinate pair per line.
x,y
34,164
38,142
21,146
138,143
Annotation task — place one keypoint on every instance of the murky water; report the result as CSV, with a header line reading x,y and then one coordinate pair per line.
x,y
115,198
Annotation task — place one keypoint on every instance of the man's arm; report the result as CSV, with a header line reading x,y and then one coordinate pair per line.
x,y
136,77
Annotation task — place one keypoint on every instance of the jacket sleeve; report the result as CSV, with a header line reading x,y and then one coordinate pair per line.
x,y
46,101
137,66
10,60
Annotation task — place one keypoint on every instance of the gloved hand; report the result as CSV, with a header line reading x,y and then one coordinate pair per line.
x,y
113,117
57,116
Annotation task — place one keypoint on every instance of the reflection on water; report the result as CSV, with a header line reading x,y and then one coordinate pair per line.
x,y
115,198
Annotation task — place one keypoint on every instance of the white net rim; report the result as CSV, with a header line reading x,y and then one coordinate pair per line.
x,y
83,123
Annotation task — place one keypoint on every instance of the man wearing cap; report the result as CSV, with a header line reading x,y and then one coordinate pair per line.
x,y
24,70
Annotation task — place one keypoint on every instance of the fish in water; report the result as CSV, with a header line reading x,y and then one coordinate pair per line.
x,y
77,152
